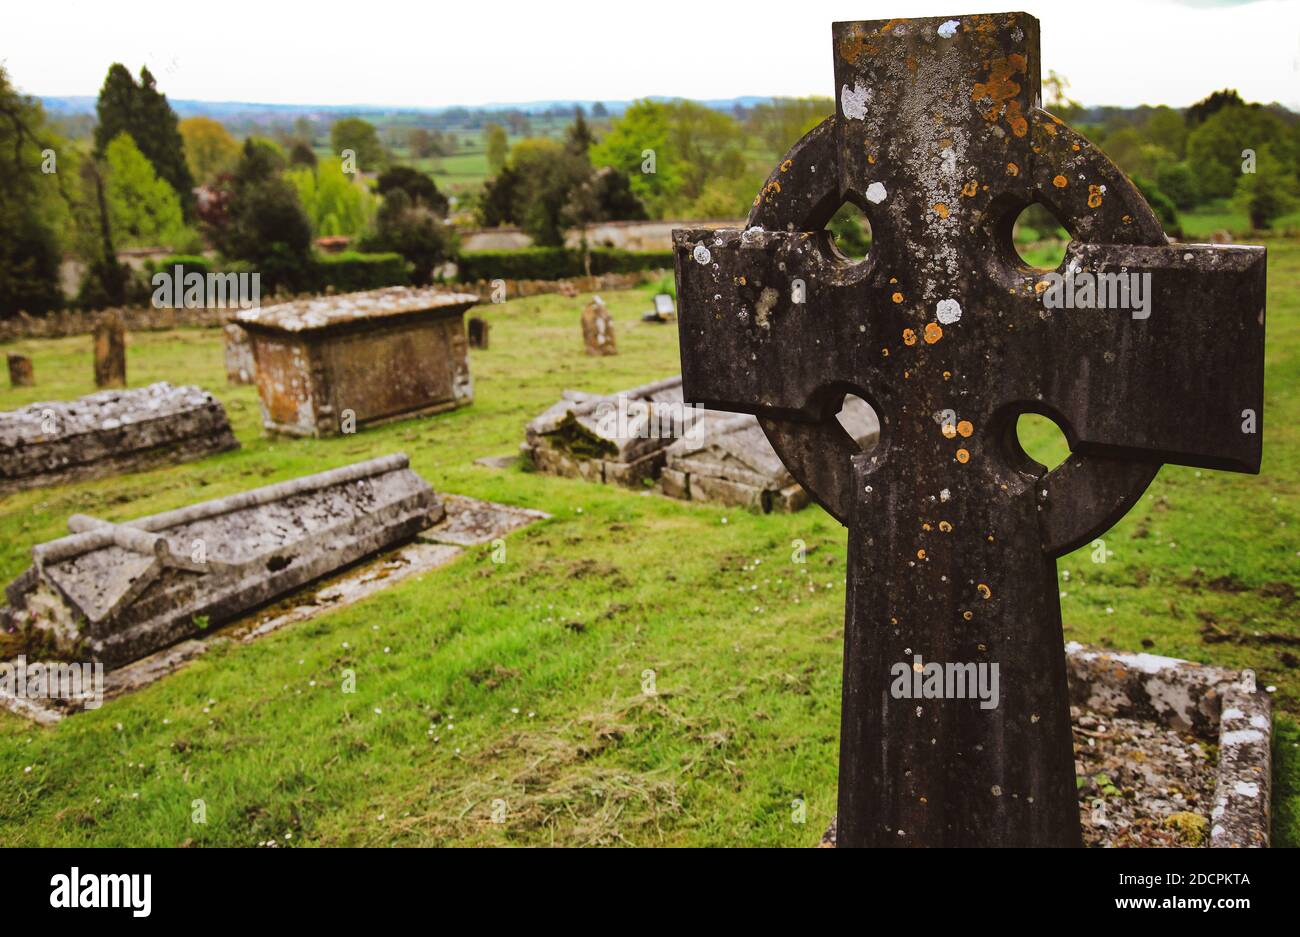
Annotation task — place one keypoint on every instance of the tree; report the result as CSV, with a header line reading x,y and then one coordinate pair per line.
x,y
500,196
335,201
782,122
359,136
579,138
1179,182
210,150
1267,193
546,172
266,225
671,151
497,147
1215,149
415,231
142,111
604,195
33,207
417,185
1206,108
143,209
300,154
599,110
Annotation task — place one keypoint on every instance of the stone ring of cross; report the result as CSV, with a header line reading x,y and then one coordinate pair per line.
x,y
940,139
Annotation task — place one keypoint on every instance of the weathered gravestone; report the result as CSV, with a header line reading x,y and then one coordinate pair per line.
x,y
240,366
939,138
20,371
478,332
110,350
598,329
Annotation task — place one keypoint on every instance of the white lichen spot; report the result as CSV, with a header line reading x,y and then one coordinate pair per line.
x,y
1247,788
853,101
947,311
1241,737
945,495
766,303
876,193
701,254
948,29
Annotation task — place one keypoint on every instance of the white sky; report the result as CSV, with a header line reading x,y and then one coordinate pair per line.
x,y
432,54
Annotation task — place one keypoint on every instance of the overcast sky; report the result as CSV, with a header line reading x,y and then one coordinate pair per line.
x,y
433,53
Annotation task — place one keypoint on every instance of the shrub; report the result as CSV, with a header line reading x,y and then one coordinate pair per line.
x,y
555,263
350,271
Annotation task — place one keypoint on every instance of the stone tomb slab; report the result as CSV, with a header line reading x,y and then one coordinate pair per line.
x,y
364,358
464,522
110,432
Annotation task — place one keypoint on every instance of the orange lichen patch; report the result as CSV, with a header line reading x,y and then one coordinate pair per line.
x,y
893,279
772,188
854,45
1075,147
963,456
1000,90
1041,285
911,64
1013,169
967,615
925,526
947,375
785,167
1094,196
920,554
949,431
889,27
941,209
964,428
1060,181
871,158
945,527
1127,219
907,375
984,591
933,333
897,297
884,352
909,337
741,280
970,188
1050,128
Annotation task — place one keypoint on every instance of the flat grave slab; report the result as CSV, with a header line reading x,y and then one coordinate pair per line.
x,y
109,432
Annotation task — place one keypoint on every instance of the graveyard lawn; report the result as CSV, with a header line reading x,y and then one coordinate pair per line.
x,y
517,691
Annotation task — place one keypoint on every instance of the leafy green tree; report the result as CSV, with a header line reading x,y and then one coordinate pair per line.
x,y
415,231
780,123
335,201
1267,193
420,187
210,150
265,223
143,209
359,136
1166,128
33,207
1179,182
1215,148
500,195
1206,108
142,111
546,173
497,147
671,151
300,154
579,138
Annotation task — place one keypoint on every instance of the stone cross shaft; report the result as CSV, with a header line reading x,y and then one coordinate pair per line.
x,y
940,138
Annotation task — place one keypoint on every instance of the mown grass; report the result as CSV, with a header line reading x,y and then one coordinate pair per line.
x,y
517,689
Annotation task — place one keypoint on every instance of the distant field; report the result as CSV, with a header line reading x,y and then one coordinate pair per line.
x,y
522,682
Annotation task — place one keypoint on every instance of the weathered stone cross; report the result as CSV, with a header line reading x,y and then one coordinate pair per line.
x,y
940,139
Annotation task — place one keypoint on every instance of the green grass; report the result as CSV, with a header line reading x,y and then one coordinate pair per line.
x,y
538,662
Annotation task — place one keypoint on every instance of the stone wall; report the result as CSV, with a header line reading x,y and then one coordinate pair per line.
x,y
147,319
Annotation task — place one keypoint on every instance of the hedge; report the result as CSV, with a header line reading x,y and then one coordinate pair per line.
x,y
350,271
554,263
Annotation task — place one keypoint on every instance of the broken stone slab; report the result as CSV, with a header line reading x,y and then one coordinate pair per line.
x,y
239,354
730,461
1215,705
114,593
109,432
465,522
619,438
333,364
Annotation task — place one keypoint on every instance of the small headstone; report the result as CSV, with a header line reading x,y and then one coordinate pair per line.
x,y
110,350
239,355
478,332
598,329
20,371
664,310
